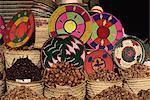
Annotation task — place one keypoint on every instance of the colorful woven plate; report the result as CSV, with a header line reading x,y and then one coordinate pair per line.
x,y
106,31
128,51
63,48
71,19
2,28
98,59
19,29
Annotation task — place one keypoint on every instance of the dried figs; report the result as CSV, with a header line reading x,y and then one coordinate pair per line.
x,y
23,68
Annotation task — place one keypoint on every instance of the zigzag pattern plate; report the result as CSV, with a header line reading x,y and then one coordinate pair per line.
x,y
63,48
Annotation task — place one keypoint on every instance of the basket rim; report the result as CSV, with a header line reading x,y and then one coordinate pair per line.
x,y
32,82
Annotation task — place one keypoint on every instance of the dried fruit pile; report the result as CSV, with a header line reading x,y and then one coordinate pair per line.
x,y
105,75
22,93
23,68
144,94
63,74
64,97
136,71
115,93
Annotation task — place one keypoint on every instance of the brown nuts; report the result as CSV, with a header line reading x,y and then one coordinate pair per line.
x,y
105,75
115,93
63,74
22,93
136,71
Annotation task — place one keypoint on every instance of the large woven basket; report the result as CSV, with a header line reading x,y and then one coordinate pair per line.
x,y
77,91
41,31
36,87
136,84
95,87
12,55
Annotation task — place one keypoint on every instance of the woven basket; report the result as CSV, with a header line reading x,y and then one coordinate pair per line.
x,y
77,91
36,87
95,87
41,32
2,87
10,55
136,84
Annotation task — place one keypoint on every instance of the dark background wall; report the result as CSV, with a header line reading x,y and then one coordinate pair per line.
x,y
134,15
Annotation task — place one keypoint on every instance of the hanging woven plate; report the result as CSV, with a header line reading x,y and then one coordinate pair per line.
x,y
71,19
98,59
128,51
2,29
106,31
63,48
19,29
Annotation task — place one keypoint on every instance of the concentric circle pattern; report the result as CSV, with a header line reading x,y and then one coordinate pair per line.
x,y
71,19
98,59
106,31
128,51
63,48
19,29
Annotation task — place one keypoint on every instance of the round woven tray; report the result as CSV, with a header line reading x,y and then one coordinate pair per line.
x,y
77,91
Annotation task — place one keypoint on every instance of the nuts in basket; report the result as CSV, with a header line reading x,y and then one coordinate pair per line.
x,y
64,97
137,70
22,93
63,74
105,75
23,68
115,93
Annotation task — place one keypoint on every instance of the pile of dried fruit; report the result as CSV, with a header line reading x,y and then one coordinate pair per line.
x,y
136,71
115,93
23,68
22,93
105,75
144,94
63,74
64,97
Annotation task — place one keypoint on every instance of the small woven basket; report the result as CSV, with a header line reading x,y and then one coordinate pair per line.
x,y
77,91
136,84
95,87
41,35
12,55
36,87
